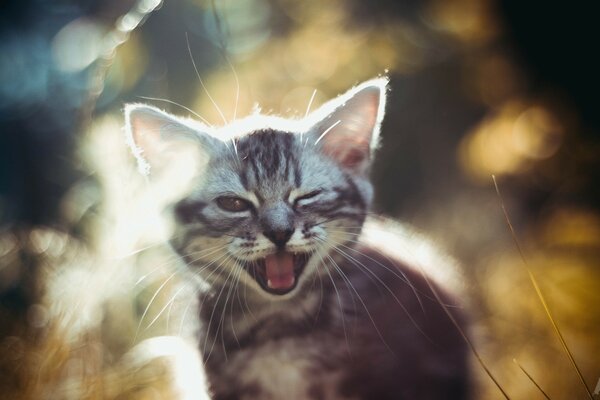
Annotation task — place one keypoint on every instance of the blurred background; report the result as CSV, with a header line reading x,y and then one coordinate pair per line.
x,y
478,88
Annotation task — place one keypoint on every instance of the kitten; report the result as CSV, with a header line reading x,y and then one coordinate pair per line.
x,y
294,302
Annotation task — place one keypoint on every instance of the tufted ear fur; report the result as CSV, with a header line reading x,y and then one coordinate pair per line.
x,y
347,127
163,143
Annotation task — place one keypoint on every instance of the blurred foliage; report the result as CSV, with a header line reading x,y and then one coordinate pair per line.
x,y
479,87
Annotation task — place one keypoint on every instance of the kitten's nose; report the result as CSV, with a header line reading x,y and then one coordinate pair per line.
x,y
279,237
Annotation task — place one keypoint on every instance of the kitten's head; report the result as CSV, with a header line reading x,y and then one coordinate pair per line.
x,y
268,200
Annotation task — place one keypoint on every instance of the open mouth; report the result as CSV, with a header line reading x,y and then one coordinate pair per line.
x,y
278,273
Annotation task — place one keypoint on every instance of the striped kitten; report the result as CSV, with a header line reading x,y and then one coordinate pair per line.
x,y
294,301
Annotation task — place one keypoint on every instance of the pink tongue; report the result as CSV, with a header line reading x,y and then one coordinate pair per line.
x,y
280,270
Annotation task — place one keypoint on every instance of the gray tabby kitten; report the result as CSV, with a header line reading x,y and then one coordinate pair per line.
x,y
294,305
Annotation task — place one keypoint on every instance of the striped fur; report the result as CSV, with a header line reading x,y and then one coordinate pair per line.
x,y
330,337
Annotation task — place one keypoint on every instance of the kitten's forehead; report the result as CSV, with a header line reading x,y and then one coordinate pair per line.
x,y
270,161
246,126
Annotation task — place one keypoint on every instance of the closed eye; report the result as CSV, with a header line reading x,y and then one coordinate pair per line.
x,y
306,196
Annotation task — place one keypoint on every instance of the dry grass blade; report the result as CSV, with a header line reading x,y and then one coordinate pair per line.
x,y
464,336
531,379
540,295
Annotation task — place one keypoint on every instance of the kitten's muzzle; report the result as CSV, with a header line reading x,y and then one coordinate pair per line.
x,y
258,270
279,237
277,222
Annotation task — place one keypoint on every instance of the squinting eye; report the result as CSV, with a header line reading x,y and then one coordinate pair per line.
x,y
306,196
233,204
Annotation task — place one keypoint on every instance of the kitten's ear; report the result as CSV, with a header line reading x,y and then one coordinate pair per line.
x,y
161,142
347,127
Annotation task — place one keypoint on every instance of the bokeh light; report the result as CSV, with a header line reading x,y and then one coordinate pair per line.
x,y
89,307
510,140
77,44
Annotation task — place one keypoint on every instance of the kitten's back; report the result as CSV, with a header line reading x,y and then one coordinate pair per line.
x,y
405,327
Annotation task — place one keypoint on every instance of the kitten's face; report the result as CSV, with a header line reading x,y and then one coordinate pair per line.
x,y
270,203
269,209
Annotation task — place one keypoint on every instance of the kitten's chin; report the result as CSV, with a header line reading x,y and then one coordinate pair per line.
x,y
278,273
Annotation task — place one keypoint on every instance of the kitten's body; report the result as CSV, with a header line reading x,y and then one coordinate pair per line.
x,y
394,346
293,303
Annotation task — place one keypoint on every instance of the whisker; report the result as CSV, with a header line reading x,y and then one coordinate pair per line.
x,y
143,277
167,327
351,286
186,309
203,253
236,291
310,102
339,300
200,117
237,85
458,327
247,305
358,214
327,131
398,273
365,269
316,318
210,319
235,149
187,40
221,326
418,293
196,273
168,304
150,304
315,276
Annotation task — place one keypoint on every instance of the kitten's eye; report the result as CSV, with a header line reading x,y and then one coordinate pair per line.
x,y
233,204
306,196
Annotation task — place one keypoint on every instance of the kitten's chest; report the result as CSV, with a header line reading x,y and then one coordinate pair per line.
x,y
289,368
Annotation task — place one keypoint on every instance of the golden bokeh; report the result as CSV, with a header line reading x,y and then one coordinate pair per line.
x,y
103,283
510,140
